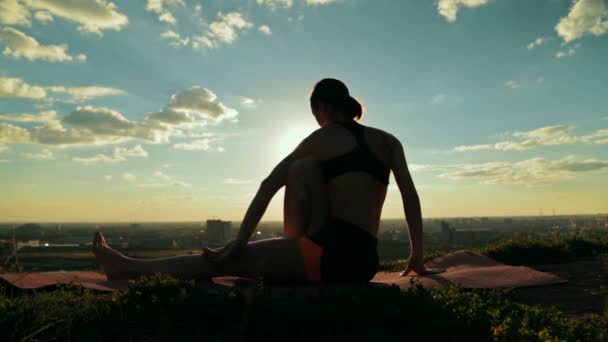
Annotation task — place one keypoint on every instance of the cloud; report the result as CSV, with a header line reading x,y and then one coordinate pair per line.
x,y
248,102
129,177
537,42
265,29
47,117
512,84
449,8
465,148
234,181
584,17
319,2
225,30
16,87
10,134
100,121
202,102
161,179
568,53
120,154
176,39
439,98
45,154
274,4
43,17
85,93
195,145
163,9
85,125
541,137
93,16
13,12
528,172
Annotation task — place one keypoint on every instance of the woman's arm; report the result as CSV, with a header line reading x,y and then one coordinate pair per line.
x,y
410,199
269,187
411,208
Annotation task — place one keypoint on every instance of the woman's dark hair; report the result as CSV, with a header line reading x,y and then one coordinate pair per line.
x,y
335,93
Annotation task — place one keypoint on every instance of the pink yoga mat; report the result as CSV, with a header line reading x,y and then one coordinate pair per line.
x,y
464,268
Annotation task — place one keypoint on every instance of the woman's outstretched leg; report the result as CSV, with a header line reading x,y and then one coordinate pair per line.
x,y
275,260
305,206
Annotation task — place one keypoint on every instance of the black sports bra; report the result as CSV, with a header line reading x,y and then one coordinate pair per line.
x,y
360,158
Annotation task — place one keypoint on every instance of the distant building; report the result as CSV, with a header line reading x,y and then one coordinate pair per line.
x,y
30,243
218,230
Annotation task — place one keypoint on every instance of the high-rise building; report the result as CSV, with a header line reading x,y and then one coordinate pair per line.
x,y
218,230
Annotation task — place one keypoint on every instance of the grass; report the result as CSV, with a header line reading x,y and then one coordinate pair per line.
x,y
530,251
162,308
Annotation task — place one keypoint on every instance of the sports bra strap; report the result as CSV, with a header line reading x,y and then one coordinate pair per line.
x,y
357,130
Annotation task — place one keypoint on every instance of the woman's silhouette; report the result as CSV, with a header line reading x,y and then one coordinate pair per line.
x,y
336,181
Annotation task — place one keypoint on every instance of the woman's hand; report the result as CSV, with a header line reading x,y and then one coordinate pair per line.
x,y
229,252
417,267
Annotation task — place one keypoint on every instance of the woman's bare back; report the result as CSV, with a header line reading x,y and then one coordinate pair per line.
x,y
354,196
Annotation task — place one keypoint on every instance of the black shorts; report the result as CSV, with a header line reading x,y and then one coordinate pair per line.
x,y
350,253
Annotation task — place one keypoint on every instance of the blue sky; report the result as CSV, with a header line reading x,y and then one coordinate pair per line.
x,y
176,110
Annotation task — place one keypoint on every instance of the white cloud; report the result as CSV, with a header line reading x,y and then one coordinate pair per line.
x,y
537,42
43,17
449,8
47,117
13,134
85,125
85,93
319,2
265,29
568,53
108,177
93,16
202,102
101,121
438,98
194,145
45,154
466,148
234,181
13,12
526,172
225,30
176,39
16,87
541,137
584,17
274,4
161,179
163,8
120,154
129,177
512,84
248,102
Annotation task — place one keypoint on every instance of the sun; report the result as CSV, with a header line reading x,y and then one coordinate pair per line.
x,y
289,139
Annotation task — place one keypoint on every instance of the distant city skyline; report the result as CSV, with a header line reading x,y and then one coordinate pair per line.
x,y
176,110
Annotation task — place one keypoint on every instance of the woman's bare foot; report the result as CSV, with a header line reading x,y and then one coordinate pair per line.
x,y
114,264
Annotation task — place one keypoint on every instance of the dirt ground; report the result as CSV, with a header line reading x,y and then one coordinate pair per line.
x,y
585,293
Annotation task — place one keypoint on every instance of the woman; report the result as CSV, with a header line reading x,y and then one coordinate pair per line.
x,y
336,181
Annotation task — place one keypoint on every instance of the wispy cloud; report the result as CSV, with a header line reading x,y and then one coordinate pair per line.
x,y
19,45
120,154
45,154
235,181
527,172
544,136
449,8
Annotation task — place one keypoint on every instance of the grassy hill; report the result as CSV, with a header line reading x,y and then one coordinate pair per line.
x,y
162,308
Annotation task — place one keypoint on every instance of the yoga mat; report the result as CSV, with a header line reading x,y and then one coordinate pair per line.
x,y
464,268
